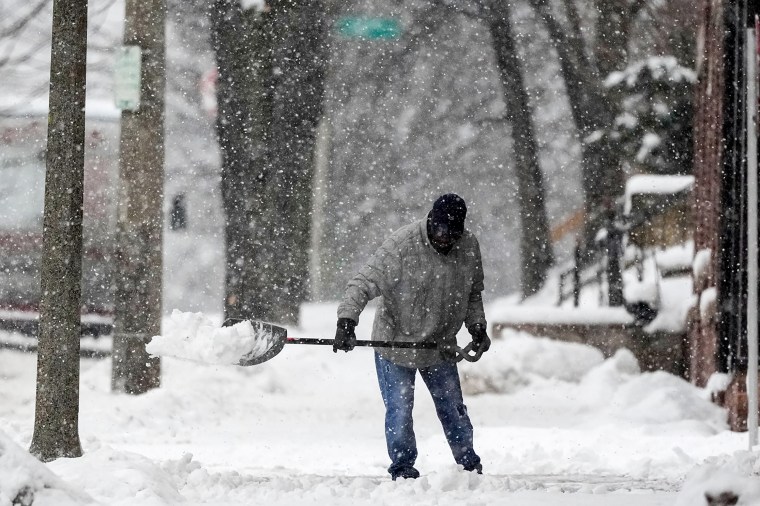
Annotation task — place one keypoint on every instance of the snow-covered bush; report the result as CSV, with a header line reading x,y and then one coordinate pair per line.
x,y
653,128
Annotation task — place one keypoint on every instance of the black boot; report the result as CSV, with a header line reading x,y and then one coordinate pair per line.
x,y
405,473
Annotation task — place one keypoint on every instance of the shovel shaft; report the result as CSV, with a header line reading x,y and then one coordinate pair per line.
x,y
373,344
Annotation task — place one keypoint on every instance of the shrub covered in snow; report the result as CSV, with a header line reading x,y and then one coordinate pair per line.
x,y
653,127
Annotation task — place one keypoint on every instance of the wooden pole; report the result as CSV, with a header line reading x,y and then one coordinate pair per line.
x,y
140,215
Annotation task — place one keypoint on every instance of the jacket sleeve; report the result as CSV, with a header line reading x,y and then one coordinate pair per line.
x,y
377,277
475,313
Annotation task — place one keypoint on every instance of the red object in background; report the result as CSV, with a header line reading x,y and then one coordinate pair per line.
x,y
207,88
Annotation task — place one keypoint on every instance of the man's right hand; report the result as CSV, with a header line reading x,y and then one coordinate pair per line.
x,y
345,337
480,340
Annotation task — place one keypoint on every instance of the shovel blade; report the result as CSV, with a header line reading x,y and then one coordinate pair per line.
x,y
268,341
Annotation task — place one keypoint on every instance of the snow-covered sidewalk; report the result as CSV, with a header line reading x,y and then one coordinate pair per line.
x,y
555,423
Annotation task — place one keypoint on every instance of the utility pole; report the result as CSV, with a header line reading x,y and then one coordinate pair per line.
x,y
140,219
56,417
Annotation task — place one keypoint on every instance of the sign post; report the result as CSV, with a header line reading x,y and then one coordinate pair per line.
x,y
127,78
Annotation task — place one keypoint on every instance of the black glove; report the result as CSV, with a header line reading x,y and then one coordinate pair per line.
x,y
448,352
345,337
480,340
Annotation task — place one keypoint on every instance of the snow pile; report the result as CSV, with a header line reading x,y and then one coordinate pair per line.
x,y
132,478
735,481
679,257
614,390
651,400
646,289
512,363
193,336
600,384
25,481
661,398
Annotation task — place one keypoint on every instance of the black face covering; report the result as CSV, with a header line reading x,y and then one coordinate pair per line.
x,y
445,223
441,237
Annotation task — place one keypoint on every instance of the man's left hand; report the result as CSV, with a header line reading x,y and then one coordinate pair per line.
x,y
448,352
480,340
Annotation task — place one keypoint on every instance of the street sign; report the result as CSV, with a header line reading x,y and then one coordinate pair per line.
x,y
127,78
369,28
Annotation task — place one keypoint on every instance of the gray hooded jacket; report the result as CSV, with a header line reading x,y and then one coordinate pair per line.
x,y
426,296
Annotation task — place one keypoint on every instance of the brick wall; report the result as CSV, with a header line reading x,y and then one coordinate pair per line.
x,y
708,160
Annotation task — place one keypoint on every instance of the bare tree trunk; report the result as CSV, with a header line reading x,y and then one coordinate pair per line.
x,y
56,421
298,85
242,43
591,106
140,219
535,244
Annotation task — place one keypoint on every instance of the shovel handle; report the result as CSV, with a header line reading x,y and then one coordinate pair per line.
x,y
373,344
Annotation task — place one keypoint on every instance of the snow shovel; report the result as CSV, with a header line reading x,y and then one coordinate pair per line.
x,y
270,339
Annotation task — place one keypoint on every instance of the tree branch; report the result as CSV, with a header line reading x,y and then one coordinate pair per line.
x,y
24,20
568,48
581,82
634,8
478,14
576,34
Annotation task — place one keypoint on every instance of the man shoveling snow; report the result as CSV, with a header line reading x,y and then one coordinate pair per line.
x,y
430,277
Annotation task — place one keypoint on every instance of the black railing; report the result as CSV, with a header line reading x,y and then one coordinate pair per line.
x,y
576,277
605,262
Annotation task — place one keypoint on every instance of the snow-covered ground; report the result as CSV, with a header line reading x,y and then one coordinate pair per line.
x,y
555,423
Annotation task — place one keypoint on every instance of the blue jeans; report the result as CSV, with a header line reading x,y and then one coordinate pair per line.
x,y
397,389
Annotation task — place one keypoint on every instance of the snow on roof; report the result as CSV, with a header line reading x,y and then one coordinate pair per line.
x,y
654,184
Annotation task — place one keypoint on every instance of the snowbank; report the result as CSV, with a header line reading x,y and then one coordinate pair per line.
x,y
25,481
661,398
614,390
514,362
120,478
735,480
